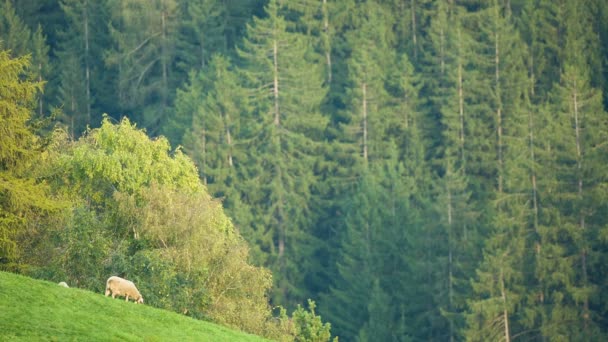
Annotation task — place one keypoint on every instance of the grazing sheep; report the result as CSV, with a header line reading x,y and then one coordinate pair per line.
x,y
64,284
121,287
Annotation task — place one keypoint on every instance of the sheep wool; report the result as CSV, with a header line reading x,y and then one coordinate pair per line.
x,y
117,286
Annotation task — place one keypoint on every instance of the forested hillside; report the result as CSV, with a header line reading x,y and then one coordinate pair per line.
x,y
421,169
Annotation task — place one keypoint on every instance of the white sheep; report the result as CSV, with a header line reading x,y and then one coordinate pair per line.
x,y
121,287
64,284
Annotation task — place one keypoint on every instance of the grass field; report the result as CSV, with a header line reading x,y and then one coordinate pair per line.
x,y
35,310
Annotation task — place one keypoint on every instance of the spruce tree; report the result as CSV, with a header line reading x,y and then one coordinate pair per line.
x,y
80,54
349,296
449,60
202,33
214,102
284,128
14,34
500,288
568,245
40,66
144,54
366,96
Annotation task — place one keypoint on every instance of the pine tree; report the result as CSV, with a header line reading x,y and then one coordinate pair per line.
x,y
202,33
215,101
366,95
574,136
14,34
542,28
449,58
500,288
386,258
378,327
144,36
285,126
40,66
312,18
72,95
349,295
411,21
80,51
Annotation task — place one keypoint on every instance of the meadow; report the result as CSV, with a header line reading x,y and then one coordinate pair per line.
x,y
33,310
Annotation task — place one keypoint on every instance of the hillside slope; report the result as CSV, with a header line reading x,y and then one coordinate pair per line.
x,y
39,310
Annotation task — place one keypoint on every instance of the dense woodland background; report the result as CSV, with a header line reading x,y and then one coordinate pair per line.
x,y
421,169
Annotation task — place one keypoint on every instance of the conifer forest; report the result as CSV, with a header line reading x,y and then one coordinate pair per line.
x,y
375,170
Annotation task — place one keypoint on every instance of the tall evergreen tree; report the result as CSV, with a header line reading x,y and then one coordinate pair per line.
x,y
216,104
202,34
14,34
567,235
386,257
449,64
144,36
349,296
366,96
40,66
284,129
541,25
80,53
501,286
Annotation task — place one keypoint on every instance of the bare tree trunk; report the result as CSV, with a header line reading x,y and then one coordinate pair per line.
x,y
461,132
441,51
450,251
413,19
40,95
228,139
327,44
204,154
505,313
164,56
498,110
282,232
275,89
87,68
579,167
364,122
461,102
277,123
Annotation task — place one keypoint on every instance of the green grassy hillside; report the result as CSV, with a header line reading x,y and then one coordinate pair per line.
x,y
33,310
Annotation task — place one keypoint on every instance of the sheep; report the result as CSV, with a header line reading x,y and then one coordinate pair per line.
x,y
63,283
121,287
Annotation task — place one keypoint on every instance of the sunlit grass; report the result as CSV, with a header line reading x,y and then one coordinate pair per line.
x,y
33,310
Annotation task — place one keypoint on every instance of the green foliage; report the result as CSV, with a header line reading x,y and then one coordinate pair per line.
x,y
143,213
123,158
205,254
85,246
23,197
308,325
